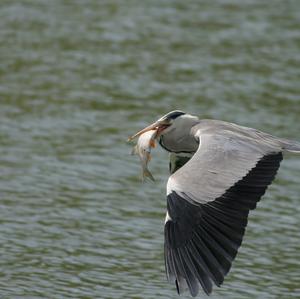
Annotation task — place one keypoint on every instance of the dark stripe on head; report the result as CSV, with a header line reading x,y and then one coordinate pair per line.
x,y
173,114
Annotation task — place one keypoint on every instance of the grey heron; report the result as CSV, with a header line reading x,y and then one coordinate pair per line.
x,y
219,171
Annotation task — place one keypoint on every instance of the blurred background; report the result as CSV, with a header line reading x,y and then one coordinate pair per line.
x,y
76,79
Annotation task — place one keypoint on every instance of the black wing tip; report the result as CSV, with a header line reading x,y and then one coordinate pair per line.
x,y
190,257
208,235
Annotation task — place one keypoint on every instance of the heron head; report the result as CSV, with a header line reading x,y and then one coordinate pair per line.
x,y
162,125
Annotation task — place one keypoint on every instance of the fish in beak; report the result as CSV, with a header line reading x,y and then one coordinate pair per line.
x,y
143,148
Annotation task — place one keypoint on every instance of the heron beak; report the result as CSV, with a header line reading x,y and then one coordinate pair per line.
x,y
159,125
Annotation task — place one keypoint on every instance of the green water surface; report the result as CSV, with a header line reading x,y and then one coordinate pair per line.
x,y
76,79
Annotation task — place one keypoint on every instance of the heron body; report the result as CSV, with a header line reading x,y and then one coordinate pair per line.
x,y
219,171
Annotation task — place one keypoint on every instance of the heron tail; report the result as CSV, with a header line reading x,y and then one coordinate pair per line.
x,y
291,146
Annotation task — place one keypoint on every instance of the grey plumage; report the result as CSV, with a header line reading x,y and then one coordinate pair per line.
x,y
219,171
210,196
226,153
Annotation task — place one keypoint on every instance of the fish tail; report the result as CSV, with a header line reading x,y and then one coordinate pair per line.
x,y
147,173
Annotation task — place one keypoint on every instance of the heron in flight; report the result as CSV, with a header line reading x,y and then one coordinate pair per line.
x,y
219,171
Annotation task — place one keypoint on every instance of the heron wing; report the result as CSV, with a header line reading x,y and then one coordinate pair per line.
x,y
208,201
221,160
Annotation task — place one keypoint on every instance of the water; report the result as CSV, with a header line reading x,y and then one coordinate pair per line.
x,y
76,79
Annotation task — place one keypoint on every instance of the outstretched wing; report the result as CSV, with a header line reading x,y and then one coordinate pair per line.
x,y
208,201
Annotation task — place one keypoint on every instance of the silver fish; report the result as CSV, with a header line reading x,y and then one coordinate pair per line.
x,y
143,148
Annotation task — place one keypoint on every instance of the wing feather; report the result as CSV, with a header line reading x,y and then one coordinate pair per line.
x,y
220,162
208,210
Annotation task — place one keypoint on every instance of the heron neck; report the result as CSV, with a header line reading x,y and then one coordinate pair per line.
x,y
179,143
